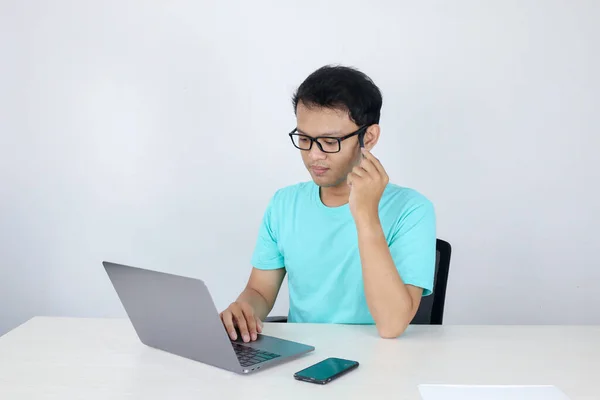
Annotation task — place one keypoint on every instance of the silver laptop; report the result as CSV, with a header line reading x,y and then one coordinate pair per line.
x,y
176,314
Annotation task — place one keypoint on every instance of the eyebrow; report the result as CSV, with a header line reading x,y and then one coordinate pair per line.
x,y
324,134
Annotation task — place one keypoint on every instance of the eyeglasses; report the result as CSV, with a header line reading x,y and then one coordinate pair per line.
x,y
327,144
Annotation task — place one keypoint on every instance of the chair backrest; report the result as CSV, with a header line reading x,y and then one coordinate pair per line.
x,y
431,309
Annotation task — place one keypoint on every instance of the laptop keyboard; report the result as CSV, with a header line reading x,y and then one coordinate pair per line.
x,y
249,356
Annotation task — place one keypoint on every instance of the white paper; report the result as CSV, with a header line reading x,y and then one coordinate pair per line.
x,y
475,392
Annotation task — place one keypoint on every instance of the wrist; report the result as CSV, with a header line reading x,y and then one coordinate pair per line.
x,y
368,223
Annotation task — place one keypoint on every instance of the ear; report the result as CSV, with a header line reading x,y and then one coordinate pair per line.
x,y
372,136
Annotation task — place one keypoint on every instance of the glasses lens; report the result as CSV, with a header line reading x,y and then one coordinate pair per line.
x,y
329,145
301,141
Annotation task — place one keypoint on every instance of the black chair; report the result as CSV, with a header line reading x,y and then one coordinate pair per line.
x,y
431,309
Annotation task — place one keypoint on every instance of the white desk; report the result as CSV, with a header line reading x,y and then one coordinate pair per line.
x,y
64,358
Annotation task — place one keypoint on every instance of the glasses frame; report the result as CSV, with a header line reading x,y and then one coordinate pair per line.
x,y
360,132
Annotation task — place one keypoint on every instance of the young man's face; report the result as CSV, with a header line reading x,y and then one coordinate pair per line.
x,y
328,169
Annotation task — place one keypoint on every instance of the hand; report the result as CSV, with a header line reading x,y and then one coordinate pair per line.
x,y
241,314
367,182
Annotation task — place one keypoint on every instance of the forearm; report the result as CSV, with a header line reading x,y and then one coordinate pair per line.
x,y
388,298
260,305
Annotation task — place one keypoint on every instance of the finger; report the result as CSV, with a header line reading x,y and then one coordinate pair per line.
x,y
240,320
259,325
356,177
352,178
250,321
358,170
227,319
369,156
369,167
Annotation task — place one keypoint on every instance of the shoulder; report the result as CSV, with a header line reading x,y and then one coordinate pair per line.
x,y
403,201
404,197
290,192
292,195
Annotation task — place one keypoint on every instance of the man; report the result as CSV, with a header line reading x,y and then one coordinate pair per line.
x,y
357,249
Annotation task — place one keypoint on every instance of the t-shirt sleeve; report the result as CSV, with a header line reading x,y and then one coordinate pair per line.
x,y
266,251
413,246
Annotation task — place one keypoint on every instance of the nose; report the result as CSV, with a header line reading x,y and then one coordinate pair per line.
x,y
315,153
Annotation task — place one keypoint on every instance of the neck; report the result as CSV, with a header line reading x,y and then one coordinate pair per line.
x,y
335,196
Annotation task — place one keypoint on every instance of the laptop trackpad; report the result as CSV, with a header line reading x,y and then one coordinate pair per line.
x,y
275,345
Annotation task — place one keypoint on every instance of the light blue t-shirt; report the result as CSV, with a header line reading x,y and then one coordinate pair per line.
x,y
318,247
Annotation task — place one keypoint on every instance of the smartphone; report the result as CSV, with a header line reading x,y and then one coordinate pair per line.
x,y
325,371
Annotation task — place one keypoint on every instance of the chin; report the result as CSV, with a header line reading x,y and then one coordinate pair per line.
x,y
324,183
320,181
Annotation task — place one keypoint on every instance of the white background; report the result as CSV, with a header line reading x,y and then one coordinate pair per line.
x,y
144,133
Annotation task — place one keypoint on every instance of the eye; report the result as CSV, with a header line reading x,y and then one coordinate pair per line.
x,y
330,141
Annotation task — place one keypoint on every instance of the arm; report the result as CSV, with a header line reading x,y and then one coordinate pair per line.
x,y
392,303
394,274
262,290
253,304
256,301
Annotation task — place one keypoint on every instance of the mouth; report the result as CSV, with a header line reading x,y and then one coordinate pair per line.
x,y
319,170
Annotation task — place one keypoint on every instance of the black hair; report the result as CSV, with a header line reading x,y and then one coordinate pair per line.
x,y
341,88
